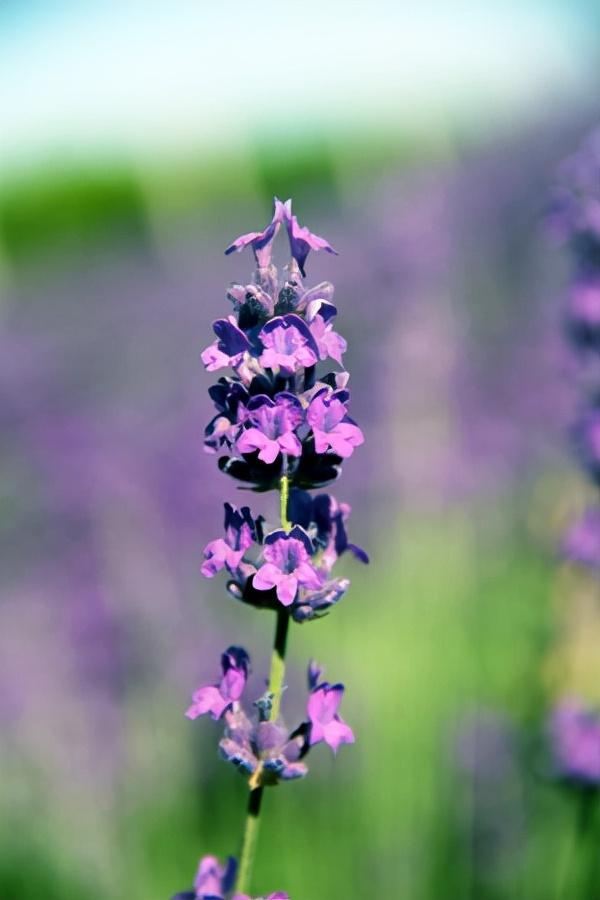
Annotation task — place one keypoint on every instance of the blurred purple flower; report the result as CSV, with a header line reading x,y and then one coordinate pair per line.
x,y
213,880
217,698
583,312
575,742
581,543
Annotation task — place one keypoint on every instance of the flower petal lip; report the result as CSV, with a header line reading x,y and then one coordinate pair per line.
x,y
302,240
261,241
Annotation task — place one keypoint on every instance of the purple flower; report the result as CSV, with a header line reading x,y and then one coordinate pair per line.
x,y
230,398
324,518
320,316
575,737
302,241
276,896
323,704
272,427
582,542
263,746
288,344
314,604
230,347
587,441
261,241
217,698
331,425
287,565
213,880
241,530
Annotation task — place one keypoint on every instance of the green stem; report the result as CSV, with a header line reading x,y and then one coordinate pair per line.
x,y
284,496
244,874
276,677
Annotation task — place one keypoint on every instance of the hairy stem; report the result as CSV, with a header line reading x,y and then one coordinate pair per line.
x,y
276,676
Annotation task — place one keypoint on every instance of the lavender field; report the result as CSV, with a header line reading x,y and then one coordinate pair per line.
x,y
466,287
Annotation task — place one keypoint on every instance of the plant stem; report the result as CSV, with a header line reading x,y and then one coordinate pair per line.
x,y
244,874
276,676
284,496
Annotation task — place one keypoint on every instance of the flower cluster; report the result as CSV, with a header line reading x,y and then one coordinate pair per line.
x,y
262,748
576,217
281,423
285,568
214,881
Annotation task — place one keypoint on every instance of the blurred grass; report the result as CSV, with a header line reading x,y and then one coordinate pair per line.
x,y
435,629
449,620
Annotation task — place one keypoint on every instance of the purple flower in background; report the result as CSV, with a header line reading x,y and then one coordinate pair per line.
x,y
230,347
323,704
583,312
302,241
288,344
287,565
575,739
272,427
576,208
241,531
217,698
261,241
582,541
332,427
587,440
320,316
213,880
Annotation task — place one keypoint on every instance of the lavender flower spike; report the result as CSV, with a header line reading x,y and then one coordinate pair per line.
x,y
217,698
261,241
213,880
323,704
287,565
280,423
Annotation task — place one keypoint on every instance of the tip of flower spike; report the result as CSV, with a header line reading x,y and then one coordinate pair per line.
x,y
301,239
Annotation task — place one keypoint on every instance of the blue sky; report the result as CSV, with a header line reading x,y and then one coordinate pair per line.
x,y
152,78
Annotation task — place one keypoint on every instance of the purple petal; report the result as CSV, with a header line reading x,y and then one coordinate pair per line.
x,y
232,339
267,577
207,700
287,588
302,241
